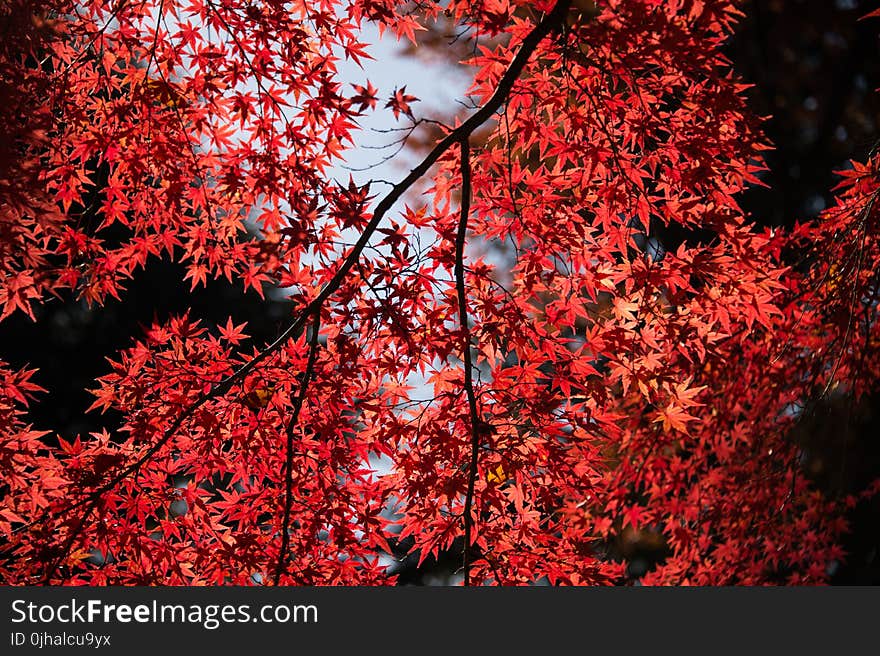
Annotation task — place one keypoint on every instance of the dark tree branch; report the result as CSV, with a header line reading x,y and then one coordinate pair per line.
x,y
288,464
473,412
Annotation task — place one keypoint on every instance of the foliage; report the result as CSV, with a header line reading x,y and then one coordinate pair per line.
x,y
632,360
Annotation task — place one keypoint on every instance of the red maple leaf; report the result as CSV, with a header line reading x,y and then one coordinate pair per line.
x,y
365,96
399,102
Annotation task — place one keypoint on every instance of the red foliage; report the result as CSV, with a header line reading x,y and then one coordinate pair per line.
x,y
595,383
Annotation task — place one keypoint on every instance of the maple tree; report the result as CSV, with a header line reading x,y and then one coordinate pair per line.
x,y
608,377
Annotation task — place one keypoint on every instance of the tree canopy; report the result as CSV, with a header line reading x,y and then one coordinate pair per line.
x,y
558,334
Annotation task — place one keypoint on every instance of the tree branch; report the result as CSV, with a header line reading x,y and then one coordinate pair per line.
x,y
473,412
288,465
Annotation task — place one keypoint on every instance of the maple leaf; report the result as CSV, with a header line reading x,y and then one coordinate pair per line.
x,y
497,475
673,417
399,102
232,333
365,96
633,516
259,397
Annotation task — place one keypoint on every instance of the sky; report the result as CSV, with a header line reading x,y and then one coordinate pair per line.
x,y
439,87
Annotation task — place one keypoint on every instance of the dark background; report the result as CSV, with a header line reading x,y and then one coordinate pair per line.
x,y
816,71
815,68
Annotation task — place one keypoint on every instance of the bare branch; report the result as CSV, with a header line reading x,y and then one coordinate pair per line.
x,y
288,464
473,412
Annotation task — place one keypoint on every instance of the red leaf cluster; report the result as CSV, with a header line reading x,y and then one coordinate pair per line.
x,y
617,384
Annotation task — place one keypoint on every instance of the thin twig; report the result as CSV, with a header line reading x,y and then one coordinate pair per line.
x,y
288,464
